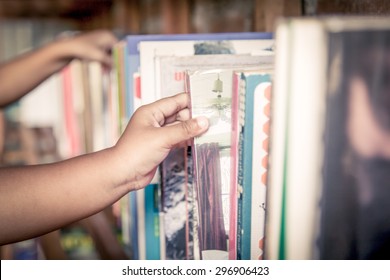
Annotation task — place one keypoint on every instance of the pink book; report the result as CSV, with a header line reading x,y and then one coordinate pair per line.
x,y
234,168
70,118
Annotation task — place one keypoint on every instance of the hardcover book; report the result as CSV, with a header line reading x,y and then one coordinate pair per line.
x,y
255,93
211,97
329,153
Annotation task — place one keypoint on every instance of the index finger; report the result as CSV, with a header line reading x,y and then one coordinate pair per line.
x,y
166,107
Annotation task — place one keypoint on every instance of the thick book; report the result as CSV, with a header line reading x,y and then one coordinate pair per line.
x,y
329,153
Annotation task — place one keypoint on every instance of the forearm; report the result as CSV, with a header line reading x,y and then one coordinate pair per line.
x,y
37,199
19,76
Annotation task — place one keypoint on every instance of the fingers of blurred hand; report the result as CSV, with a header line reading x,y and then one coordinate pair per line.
x,y
95,46
108,39
103,57
102,38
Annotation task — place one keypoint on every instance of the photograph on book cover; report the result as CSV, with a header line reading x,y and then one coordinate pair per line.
x,y
177,205
211,97
355,201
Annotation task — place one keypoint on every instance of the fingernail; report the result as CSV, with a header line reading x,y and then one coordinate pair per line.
x,y
202,122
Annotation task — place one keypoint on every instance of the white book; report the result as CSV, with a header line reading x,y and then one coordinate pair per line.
x,y
149,50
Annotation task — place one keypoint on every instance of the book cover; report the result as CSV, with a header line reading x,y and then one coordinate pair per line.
x,y
260,156
175,205
152,221
250,224
70,112
50,95
141,234
301,142
120,60
238,112
333,150
133,247
274,228
211,92
234,166
354,206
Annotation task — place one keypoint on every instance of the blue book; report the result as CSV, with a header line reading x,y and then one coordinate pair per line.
x,y
250,87
152,221
133,225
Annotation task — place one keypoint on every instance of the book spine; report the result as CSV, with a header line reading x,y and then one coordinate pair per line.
x,y
152,231
262,88
133,208
141,224
240,176
234,168
245,166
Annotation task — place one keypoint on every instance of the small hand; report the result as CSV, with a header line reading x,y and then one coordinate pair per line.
x,y
152,132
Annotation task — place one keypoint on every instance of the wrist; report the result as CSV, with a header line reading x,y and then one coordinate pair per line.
x,y
123,173
63,49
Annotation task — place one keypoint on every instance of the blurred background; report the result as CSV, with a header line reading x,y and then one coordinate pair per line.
x,y
39,20
162,16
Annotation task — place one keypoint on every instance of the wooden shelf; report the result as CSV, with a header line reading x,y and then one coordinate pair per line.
x,y
48,8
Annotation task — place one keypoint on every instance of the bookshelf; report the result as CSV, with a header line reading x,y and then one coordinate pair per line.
x,y
153,16
371,7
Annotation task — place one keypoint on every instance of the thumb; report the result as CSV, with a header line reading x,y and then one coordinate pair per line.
x,y
186,130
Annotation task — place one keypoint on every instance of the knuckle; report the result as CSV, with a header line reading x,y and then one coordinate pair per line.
x,y
188,127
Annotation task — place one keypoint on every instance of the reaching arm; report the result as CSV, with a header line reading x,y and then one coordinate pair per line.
x,y
37,199
22,74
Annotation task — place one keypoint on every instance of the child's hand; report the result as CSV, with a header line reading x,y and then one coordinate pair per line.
x,y
151,133
94,46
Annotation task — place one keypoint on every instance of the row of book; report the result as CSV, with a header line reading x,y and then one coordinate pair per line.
x,y
187,211
294,164
328,175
